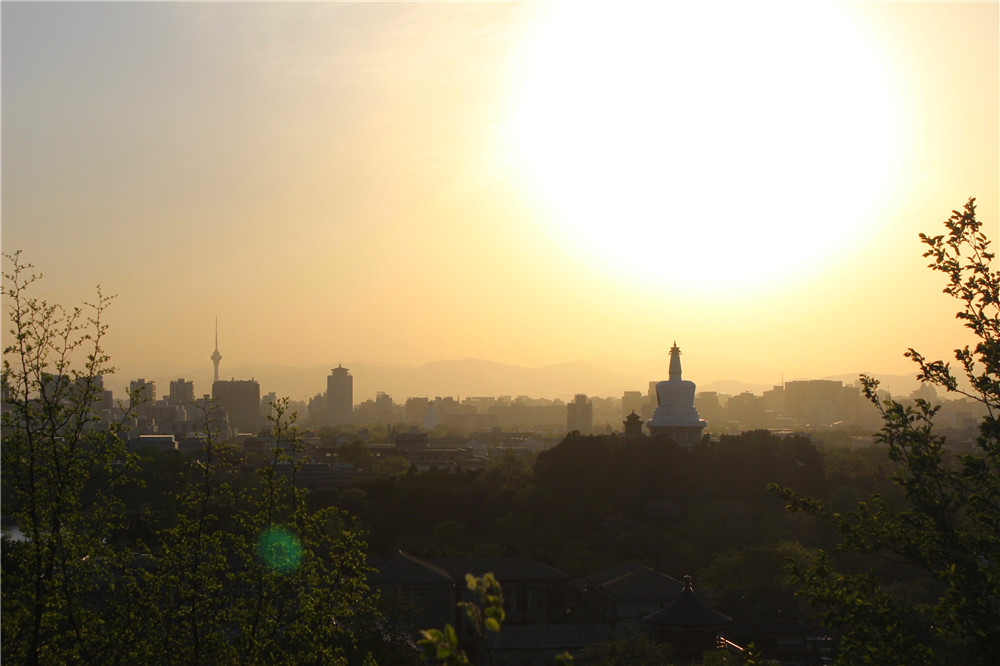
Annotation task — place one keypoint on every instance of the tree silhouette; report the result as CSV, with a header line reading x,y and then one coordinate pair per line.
x,y
948,526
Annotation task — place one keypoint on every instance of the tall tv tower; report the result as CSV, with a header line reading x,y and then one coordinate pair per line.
x,y
216,356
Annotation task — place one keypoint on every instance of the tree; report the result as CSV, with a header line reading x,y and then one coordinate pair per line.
x,y
356,453
59,471
392,466
634,648
242,571
305,571
486,616
948,525
176,605
248,574
752,583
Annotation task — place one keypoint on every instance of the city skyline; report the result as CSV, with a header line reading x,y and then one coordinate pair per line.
x,y
463,378
403,184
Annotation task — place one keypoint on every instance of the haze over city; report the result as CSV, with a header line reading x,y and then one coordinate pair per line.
x,y
500,332
526,184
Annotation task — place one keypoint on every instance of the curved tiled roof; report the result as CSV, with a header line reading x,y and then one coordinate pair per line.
x,y
632,580
504,568
688,612
404,569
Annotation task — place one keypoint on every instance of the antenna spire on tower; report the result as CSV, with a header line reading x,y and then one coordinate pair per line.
x,y
216,356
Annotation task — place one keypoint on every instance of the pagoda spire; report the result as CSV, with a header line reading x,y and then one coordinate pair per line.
x,y
675,363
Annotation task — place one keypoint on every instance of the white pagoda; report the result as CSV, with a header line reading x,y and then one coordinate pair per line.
x,y
675,416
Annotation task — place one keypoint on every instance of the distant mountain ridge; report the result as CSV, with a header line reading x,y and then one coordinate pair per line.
x,y
461,378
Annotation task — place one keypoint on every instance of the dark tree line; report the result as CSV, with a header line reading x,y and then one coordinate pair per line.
x,y
593,501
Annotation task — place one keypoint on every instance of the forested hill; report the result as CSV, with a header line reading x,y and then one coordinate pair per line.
x,y
593,500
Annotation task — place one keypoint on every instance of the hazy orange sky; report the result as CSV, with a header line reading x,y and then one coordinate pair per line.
x,y
523,183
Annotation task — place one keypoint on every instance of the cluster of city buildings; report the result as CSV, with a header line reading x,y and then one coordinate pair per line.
x,y
671,407
237,407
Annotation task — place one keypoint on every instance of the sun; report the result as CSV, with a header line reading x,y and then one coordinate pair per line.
x,y
701,144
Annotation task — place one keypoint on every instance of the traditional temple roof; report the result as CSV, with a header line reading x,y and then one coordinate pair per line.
x,y
633,425
633,580
404,569
688,612
504,568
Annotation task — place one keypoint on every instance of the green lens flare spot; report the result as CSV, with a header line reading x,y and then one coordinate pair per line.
x,y
280,549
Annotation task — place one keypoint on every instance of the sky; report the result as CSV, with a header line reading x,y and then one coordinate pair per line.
x,y
531,184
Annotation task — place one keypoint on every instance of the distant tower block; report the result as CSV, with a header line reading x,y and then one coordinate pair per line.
x,y
580,415
216,356
181,392
675,416
339,396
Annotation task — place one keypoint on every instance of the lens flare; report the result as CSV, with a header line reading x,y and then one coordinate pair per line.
x,y
280,549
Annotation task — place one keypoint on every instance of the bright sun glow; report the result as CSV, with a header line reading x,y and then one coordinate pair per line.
x,y
705,145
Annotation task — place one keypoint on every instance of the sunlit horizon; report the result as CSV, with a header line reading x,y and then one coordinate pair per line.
x,y
529,184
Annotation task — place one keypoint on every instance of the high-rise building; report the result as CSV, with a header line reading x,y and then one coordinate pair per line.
x,y
268,411
143,391
103,399
580,415
240,399
416,410
339,396
633,401
181,392
142,395
709,406
816,402
383,407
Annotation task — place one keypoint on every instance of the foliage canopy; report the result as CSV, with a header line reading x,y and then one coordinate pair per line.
x,y
949,523
234,570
